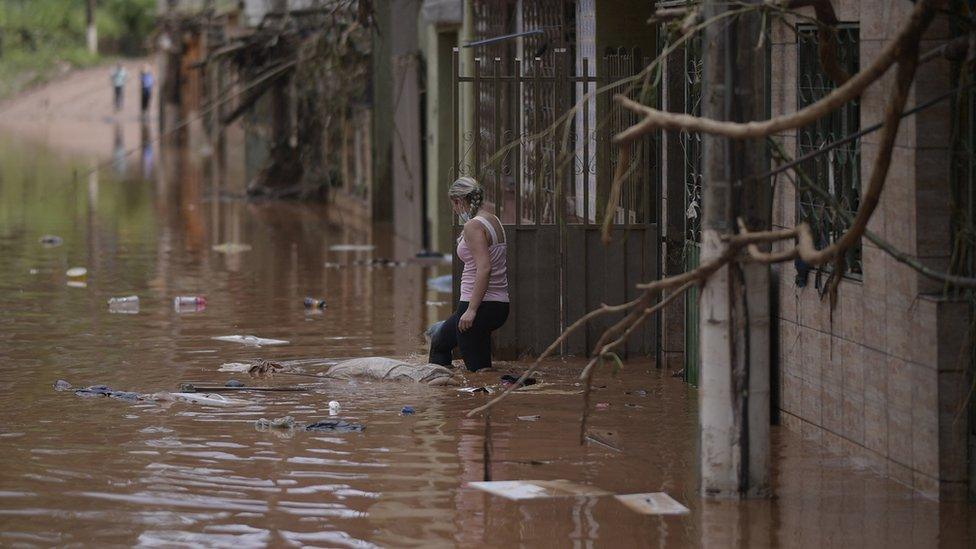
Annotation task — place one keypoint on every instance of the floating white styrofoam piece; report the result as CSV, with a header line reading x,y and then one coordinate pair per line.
x,y
231,248
654,503
76,272
211,399
234,367
536,489
352,247
250,340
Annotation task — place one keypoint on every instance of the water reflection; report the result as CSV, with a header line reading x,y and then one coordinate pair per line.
x,y
82,471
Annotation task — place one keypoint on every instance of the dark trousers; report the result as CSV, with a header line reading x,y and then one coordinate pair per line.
x,y
146,95
118,98
475,343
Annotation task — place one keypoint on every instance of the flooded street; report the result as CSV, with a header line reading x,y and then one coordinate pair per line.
x,y
98,471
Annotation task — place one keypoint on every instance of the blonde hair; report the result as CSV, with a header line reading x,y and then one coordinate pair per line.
x,y
469,189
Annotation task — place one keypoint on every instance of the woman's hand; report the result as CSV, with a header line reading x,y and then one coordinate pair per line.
x,y
466,320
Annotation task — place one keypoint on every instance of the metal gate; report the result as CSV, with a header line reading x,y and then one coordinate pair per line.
x,y
551,189
691,144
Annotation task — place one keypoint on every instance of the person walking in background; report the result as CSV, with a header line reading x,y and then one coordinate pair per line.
x,y
146,81
119,76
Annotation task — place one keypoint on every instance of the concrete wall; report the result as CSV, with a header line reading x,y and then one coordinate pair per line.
x,y
440,21
882,377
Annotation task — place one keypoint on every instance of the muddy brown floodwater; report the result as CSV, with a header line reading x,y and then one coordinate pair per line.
x,y
94,472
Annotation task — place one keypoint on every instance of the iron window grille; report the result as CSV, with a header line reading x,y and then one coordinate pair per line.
x,y
838,170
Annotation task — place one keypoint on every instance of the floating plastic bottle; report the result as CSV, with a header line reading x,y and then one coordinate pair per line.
x,y
312,303
189,303
125,305
334,407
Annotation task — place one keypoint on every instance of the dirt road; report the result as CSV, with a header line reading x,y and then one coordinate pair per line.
x,y
74,114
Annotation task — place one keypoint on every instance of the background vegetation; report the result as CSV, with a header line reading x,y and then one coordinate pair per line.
x,y
42,38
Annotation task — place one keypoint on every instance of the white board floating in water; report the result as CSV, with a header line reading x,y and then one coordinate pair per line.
x,y
536,489
251,341
655,503
352,248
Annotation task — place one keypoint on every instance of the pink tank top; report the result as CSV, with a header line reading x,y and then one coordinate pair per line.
x,y
498,278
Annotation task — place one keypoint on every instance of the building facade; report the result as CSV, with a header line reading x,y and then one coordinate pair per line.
x,y
880,372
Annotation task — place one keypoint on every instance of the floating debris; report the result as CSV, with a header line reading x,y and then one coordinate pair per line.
x,y
51,241
250,340
472,390
407,411
654,503
443,284
286,422
334,407
607,439
264,368
313,303
602,406
76,272
231,248
128,305
509,379
536,489
233,383
529,418
339,426
77,284
62,385
352,248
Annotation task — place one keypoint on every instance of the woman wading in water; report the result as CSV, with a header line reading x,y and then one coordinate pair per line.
x,y
484,282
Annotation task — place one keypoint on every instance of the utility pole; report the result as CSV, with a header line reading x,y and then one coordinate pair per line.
x,y
734,304
91,31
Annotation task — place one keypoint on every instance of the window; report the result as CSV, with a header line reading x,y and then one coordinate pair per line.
x,y
838,171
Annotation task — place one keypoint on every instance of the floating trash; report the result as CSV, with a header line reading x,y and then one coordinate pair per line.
x,y
51,241
352,248
250,340
602,406
407,411
334,407
77,284
128,305
33,271
62,385
286,422
313,303
536,489
654,503
231,248
509,379
472,390
233,383
330,265
607,439
529,418
76,272
340,426
443,284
